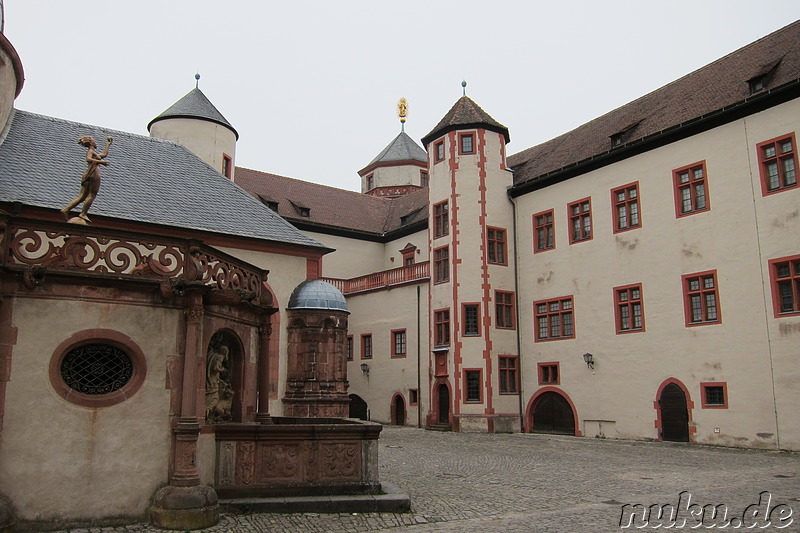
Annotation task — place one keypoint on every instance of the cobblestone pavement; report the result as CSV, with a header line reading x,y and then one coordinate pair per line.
x,y
461,482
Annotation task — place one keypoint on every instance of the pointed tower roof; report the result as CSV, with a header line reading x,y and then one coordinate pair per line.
x,y
402,148
195,105
466,114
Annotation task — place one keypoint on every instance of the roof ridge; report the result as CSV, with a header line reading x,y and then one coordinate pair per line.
x,y
312,183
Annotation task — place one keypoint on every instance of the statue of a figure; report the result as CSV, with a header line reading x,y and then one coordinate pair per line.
x,y
90,181
219,393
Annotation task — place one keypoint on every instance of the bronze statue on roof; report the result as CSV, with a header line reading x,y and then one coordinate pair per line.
x,y
90,180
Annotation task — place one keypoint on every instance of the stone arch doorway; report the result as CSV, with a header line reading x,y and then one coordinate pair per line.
x,y
442,411
550,411
398,416
673,412
358,407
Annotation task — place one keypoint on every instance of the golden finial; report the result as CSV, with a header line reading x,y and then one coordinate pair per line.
x,y
402,112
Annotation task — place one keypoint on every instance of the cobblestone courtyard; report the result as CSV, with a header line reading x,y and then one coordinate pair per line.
x,y
541,483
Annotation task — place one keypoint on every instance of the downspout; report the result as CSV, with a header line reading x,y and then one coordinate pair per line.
x,y
516,310
419,362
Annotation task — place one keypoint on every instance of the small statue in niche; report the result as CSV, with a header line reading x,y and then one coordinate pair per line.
x,y
219,392
90,181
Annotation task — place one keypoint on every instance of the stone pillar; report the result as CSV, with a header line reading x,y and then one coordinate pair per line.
x,y
185,504
262,410
316,374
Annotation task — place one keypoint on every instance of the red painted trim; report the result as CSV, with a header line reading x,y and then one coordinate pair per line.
x,y
537,394
455,232
629,303
313,268
434,415
480,317
105,336
496,229
436,323
393,346
445,225
227,170
540,373
687,306
474,142
627,203
549,313
762,171
689,406
436,152
581,214
513,306
677,189
514,368
393,414
704,385
364,354
795,281
536,248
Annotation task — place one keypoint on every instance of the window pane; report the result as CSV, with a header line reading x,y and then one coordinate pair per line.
x,y
700,193
789,177
567,324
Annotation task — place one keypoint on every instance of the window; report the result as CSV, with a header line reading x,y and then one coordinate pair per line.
x,y
413,396
785,276
496,246
349,347
626,207
714,395
399,343
543,232
700,299
370,182
438,151
441,321
227,166
441,220
554,319
548,374
691,192
471,320
630,313
366,346
408,254
423,178
580,220
778,163
441,265
472,386
504,309
509,377
466,143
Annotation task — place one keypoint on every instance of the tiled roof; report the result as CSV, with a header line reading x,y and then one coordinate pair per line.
x,y
331,207
194,105
148,180
704,92
402,148
465,114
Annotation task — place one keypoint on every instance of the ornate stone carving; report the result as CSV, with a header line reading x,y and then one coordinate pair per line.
x,y
278,461
245,462
340,460
219,389
227,463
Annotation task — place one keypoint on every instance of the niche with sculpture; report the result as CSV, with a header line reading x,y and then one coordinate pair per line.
x,y
223,353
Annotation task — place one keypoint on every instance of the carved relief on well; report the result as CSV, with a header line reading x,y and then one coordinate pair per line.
x,y
281,461
219,386
245,463
341,460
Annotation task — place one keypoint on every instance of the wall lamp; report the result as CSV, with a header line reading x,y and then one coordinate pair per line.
x,y
365,369
587,358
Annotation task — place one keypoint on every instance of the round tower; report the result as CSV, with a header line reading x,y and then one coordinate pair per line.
x,y
12,76
194,122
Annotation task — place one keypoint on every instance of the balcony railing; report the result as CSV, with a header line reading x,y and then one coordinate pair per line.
x,y
385,279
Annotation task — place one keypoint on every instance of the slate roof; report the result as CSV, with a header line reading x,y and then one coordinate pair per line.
x,y
465,114
148,180
704,93
331,207
196,105
402,148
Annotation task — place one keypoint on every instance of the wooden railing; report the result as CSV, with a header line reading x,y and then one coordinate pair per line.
x,y
383,280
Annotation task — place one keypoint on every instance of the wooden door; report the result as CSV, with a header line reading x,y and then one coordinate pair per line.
x,y
674,414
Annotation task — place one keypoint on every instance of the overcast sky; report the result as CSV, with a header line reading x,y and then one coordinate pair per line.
x,y
312,86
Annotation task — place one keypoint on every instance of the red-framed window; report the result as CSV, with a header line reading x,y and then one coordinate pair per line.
x,y
554,319
408,254
785,280
505,312
441,219
466,143
714,395
473,388
441,324
777,160
496,246
701,298
471,313
227,166
629,308
349,347
691,189
549,373
438,152
399,343
627,214
508,366
544,236
580,220
441,264
423,178
366,346
413,396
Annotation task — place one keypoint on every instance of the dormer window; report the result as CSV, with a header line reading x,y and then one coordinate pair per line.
x,y
758,84
623,135
304,212
761,80
272,205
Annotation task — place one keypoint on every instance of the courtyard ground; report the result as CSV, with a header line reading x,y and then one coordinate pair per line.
x,y
466,482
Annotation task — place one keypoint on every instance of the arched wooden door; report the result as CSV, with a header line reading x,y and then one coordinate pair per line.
x,y
674,414
443,404
398,411
358,407
552,414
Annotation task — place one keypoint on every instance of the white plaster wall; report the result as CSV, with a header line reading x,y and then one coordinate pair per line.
x,y
61,461
207,140
394,259
8,87
395,175
352,258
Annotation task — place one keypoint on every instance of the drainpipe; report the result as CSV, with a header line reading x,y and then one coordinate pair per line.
x,y
419,362
516,309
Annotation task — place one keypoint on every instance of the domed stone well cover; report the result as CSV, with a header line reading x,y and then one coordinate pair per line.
x,y
317,294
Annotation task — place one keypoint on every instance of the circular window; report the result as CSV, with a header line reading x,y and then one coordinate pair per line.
x,y
97,368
